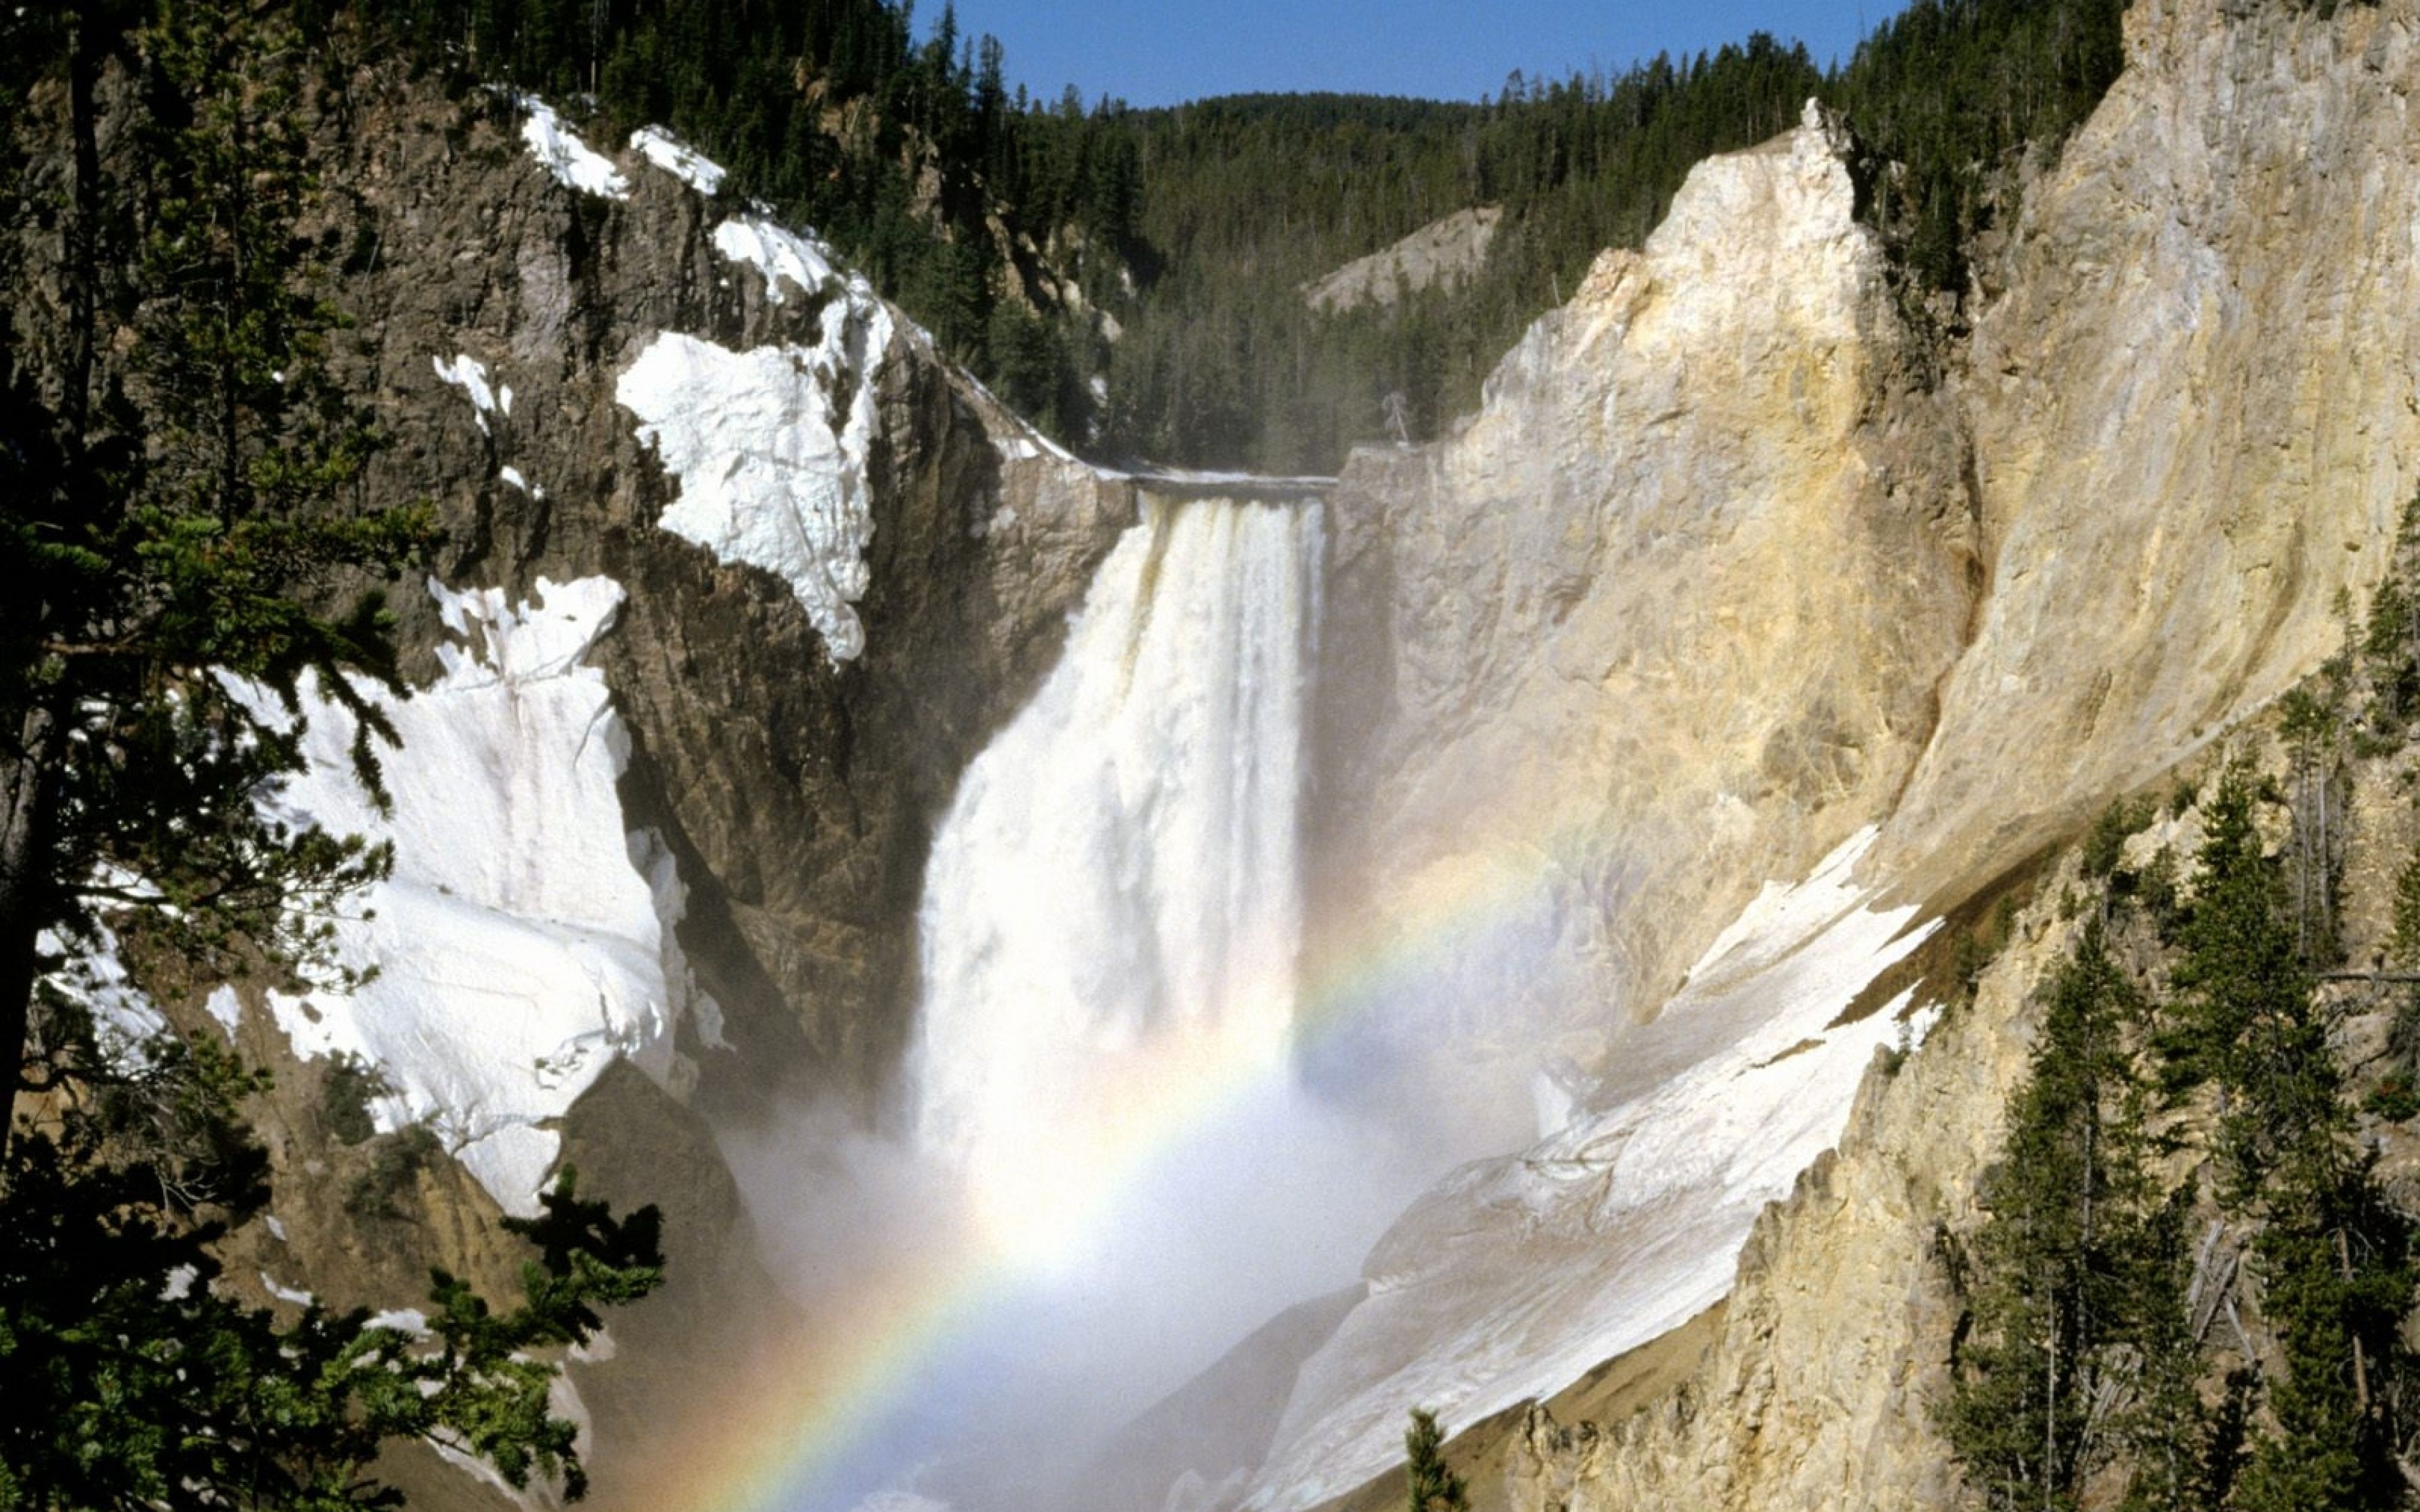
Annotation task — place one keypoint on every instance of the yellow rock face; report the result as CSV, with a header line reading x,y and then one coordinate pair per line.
x,y
1712,582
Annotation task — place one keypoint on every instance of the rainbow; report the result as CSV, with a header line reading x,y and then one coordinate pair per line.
x,y
794,1418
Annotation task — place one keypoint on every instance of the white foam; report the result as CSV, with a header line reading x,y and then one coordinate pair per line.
x,y
1114,903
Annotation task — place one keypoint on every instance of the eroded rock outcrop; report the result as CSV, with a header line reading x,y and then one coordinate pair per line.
x,y
2193,413
1663,621
786,701
2186,423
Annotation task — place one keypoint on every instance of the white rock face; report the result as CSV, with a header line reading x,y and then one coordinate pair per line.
x,y
2192,421
2194,415
1656,626
521,942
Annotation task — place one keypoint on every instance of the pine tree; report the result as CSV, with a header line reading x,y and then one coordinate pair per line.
x,y
1433,1486
2055,1282
175,501
180,514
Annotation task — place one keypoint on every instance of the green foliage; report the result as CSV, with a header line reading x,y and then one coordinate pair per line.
x,y
1433,1486
396,1161
1979,943
2393,1099
2074,1284
2081,1284
911,155
2310,721
175,497
1955,93
136,1381
2337,1279
347,1087
2389,641
174,501
2241,975
2104,846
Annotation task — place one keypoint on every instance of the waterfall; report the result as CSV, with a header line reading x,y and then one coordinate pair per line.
x,y
1114,901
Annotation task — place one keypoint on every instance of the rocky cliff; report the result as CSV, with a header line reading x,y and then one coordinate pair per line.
x,y
736,574
2177,439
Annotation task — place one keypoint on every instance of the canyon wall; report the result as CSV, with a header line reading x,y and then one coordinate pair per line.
x,y
2175,444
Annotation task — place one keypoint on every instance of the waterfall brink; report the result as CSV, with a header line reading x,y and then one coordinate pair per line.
x,y
1114,901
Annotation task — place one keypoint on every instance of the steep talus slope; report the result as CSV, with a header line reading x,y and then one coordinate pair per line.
x,y
2183,427
2193,413
1834,1344
1445,252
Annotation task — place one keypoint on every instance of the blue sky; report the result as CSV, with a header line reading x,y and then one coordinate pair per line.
x,y
1160,52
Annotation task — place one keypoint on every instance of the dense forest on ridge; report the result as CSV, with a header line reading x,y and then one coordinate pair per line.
x,y
1049,243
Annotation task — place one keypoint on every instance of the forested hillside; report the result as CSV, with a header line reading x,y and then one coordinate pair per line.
x,y
1131,278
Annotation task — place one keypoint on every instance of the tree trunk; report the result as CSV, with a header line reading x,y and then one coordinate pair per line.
x,y
27,799
2360,1357
81,269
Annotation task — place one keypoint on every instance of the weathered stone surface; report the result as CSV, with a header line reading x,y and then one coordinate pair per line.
x,y
1663,619
2184,424
1661,623
797,795
1444,252
2193,414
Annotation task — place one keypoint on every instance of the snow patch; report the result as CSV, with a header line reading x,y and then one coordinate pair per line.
x,y
782,254
558,150
518,949
470,375
410,1320
123,1016
770,446
293,1294
1516,1276
684,163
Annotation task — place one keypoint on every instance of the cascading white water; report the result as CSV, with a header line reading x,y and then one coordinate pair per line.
x,y
1113,904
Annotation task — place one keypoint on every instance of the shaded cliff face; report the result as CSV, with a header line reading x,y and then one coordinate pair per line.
x,y
791,786
796,792
763,703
